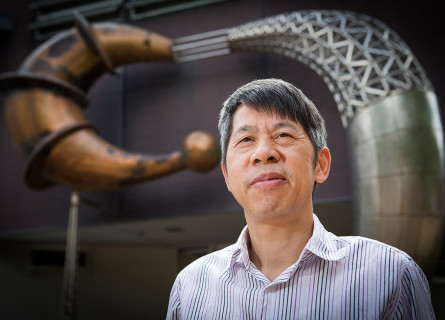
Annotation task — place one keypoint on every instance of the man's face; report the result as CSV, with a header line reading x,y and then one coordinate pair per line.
x,y
270,166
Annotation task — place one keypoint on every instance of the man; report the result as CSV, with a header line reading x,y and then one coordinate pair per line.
x,y
285,265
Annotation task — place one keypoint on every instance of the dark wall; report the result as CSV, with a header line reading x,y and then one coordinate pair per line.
x,y
150,108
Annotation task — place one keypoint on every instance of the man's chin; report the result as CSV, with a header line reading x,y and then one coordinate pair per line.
x,y
268,208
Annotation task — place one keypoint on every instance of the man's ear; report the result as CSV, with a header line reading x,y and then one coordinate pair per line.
x,y
323,165
226,177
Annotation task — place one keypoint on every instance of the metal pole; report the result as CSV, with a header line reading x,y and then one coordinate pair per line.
x,y
69,277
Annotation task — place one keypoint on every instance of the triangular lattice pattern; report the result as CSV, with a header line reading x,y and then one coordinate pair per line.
x,y
358,57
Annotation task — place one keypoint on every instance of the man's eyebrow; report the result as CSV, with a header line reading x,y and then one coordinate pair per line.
x,y
285,124
276,126
243,128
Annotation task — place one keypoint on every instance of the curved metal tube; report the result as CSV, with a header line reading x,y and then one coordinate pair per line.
x,y
397,151
385,101
44,102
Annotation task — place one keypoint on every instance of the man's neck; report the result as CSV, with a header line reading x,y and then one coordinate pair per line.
x,y
273,248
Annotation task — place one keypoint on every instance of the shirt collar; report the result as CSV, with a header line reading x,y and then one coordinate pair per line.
x,y
241,252
323,244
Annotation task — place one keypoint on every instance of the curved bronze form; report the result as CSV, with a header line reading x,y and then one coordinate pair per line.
x,y
44,102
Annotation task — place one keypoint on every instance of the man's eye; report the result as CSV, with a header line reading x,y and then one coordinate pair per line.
x,y
247,139
283,135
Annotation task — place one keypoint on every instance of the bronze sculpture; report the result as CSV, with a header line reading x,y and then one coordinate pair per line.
x,y
44,102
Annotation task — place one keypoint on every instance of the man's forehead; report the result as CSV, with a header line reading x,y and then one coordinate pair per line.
x,y
243,122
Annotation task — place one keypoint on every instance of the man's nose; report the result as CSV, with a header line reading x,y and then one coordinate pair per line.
x,y
265,152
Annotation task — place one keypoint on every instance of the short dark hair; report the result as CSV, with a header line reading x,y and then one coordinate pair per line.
x,y
276,97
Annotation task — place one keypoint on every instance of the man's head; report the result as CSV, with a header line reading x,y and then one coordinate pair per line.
x,y
274,150
275,97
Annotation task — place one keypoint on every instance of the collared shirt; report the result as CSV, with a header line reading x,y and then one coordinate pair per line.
x,y
334,278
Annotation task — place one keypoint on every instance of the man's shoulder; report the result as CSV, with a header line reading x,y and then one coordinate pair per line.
x,y
372,247
215,262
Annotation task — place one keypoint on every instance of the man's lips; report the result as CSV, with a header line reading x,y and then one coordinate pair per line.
x,y
269,179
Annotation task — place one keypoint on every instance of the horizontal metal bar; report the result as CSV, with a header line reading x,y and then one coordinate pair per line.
x,y
201,46
193,51
201,43
204,35
202,56
93,7
169,8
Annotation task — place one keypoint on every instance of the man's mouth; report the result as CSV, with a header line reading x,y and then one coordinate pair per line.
x,y
270,179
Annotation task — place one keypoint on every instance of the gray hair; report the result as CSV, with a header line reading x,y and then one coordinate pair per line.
x,y
276,97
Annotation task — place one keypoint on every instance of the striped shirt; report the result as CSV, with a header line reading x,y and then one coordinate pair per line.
x,y
334,278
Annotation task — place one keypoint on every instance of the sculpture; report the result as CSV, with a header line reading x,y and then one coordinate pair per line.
x,y
385,100
44,102
386,103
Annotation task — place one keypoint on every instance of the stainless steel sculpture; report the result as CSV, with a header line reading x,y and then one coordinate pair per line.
x,y
385,101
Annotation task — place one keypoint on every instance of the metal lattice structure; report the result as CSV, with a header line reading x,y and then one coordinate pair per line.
x,y
359,58
396,139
